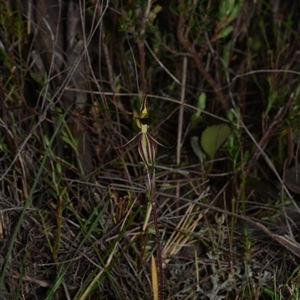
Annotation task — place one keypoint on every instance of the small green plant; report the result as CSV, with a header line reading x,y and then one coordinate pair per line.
x,y
146,149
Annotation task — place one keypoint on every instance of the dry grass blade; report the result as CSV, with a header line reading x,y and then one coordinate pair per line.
x,y
183,230
155,287
286,242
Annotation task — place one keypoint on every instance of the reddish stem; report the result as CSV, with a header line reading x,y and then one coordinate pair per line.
x,y
158,241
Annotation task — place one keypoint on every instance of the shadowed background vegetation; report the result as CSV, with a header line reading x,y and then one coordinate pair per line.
x,y
222,85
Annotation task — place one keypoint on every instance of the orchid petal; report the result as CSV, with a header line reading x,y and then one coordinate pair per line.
x,y
146,150
128,142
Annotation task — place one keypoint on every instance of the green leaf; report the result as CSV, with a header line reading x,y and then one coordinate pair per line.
x,y
202,101
191,23
235,11
223,9
181,7
196,117
197,150
230,4
225,31
213,137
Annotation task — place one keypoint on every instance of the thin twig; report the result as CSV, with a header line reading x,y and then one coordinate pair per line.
x,y
180,119
141,46
107,57
181,110
161,64
279,118
197,59
106,52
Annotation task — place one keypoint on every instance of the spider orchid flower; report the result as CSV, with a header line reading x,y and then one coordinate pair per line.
x,y
146,146
146,143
